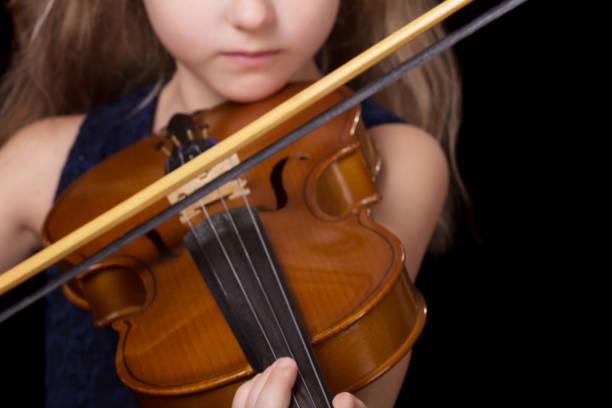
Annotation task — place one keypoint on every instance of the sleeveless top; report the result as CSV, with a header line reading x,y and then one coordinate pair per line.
x,y
80,365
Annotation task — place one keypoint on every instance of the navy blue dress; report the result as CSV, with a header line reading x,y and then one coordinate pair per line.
x,y
80,364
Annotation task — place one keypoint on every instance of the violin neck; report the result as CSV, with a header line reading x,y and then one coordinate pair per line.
x,y
236,260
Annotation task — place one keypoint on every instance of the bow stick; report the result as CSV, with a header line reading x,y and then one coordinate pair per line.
x,y
243,137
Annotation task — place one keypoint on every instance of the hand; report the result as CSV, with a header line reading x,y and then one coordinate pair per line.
x,y
272,389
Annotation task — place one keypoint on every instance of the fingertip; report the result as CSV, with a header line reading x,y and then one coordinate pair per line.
x,y
342,400
285,370
347,400
285,362
277,391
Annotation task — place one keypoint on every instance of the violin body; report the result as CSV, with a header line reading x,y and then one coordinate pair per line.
x,y
344,271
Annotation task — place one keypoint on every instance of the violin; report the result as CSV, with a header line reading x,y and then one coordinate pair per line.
x,y
344,272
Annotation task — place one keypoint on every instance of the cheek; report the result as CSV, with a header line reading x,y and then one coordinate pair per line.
x,y
312,24
186,40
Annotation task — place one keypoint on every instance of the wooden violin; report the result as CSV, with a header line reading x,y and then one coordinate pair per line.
x,y
360,311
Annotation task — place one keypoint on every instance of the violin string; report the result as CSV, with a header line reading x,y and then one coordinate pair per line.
x,y
259,283
215,232
294,319
233,269
227,257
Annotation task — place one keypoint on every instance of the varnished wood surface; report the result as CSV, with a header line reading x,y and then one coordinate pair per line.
x,y
344,271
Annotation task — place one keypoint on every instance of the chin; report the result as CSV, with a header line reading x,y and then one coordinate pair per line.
x,y
253,91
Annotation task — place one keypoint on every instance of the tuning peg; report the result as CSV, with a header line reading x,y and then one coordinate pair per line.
x,y
182,128
203,130
190,135
162,147
174,139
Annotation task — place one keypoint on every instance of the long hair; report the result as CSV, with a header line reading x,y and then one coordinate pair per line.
x,y
71,56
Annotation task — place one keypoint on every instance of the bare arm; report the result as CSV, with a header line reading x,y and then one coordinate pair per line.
x,y
30,166
414,182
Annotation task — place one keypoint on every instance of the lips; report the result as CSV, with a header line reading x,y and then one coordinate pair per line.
x,y
251,58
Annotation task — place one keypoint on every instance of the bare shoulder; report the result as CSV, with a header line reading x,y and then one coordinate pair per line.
x,y
44,135
30,166
414,182
410,149
32,160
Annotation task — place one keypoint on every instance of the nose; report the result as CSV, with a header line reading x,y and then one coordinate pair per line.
x,y
250,15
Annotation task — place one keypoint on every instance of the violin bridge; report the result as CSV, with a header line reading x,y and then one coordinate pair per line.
x,y
230,190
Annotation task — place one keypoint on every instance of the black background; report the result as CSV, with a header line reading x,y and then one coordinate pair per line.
x,y
476,344
483,339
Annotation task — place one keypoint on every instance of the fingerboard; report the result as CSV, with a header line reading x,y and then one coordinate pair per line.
x,y
235,259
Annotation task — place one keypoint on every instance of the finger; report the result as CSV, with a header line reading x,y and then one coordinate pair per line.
x,y
346,400
276,393
259,382
242,393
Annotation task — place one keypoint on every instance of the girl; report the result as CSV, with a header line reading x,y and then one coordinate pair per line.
x,y
153,58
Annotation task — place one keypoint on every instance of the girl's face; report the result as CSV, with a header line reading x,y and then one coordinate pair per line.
x,y
242,50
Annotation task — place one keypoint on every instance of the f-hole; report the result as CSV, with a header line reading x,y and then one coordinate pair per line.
x,y
276,180
164,252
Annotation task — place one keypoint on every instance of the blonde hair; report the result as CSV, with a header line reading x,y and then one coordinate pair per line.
x,y
74,55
